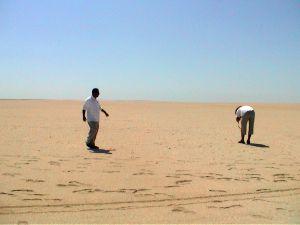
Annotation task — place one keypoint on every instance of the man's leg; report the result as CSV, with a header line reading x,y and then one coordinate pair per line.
x,y
248,140
251,125
94,126
90,134
242,139
244,121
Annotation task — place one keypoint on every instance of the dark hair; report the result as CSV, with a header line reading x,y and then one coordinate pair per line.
x,y
95,90
237,109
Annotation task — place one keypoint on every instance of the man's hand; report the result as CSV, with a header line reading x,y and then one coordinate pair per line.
x,y
238,119
106,114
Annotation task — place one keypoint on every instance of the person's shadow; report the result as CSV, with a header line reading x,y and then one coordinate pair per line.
x,y
259,145
101,151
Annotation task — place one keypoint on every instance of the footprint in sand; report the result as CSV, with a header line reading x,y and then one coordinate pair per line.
x,y
163,194
224,178
230,206
34,181
11,174
281,177
263,190
281,209
280,181
4,193
207,177
254,176
22,190
74,171
221,191
144,195
27,192
173,176
182,210
64,160
133,190
53,163
272,167
37,194
53,199
171,186
72,184
143,172
29,161
111,171
260,216
87,190
32,199
183,181
21,163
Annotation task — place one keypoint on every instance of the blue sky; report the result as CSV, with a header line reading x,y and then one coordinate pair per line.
x,y
169,50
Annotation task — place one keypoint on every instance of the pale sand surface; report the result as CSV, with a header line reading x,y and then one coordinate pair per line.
x,y
168,163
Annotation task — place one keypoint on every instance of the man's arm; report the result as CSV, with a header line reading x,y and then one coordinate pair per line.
x,y
106,114
83,115
238,115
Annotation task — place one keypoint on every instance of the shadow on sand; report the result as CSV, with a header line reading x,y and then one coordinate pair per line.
x,y
259,145
102,151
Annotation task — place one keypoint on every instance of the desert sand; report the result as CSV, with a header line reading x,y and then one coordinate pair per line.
x,y
160,163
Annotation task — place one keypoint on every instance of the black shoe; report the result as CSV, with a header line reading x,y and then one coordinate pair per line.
x,y
92,146
242,142
248,142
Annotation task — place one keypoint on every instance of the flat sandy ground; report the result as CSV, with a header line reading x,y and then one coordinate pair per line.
x,y
159,163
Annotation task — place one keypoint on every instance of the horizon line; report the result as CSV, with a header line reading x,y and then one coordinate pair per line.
x,y
149,100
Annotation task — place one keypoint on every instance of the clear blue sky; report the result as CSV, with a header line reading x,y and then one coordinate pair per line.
x,y
206,51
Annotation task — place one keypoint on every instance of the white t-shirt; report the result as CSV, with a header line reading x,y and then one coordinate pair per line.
x,y
92,108
242,110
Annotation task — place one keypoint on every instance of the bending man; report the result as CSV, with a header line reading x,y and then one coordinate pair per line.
x,y
246,114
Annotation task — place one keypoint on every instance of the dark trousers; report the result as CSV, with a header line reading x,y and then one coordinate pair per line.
x,y
248,117
94,127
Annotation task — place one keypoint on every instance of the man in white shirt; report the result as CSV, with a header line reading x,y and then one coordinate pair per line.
x,y
246,114
92,109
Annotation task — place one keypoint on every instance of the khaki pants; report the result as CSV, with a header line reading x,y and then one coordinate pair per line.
x,y
249,116
94,127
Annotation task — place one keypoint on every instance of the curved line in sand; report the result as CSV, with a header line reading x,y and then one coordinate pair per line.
x,y
263,192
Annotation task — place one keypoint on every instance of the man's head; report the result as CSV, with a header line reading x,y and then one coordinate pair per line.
x,y
95,92
237,109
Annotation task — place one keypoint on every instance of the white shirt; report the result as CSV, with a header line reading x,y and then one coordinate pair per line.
x,y
92,108
242,110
